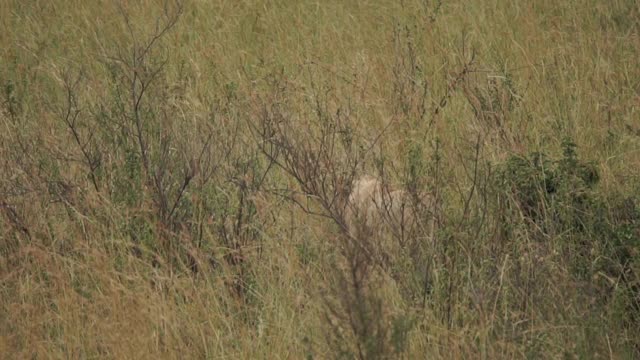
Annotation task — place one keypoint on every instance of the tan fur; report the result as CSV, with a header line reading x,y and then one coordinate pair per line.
x,y
376,209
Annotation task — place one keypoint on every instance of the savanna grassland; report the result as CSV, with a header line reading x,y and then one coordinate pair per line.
x,y
174,176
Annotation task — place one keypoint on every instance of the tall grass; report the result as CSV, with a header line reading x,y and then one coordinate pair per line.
x,y
174,176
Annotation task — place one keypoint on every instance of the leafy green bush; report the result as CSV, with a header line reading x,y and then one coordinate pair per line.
x,y
543,189
598,237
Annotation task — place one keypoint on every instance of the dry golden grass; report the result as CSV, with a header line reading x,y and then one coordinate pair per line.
x,y
175,194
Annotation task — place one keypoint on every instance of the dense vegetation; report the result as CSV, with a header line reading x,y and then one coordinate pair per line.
x,y
173,177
